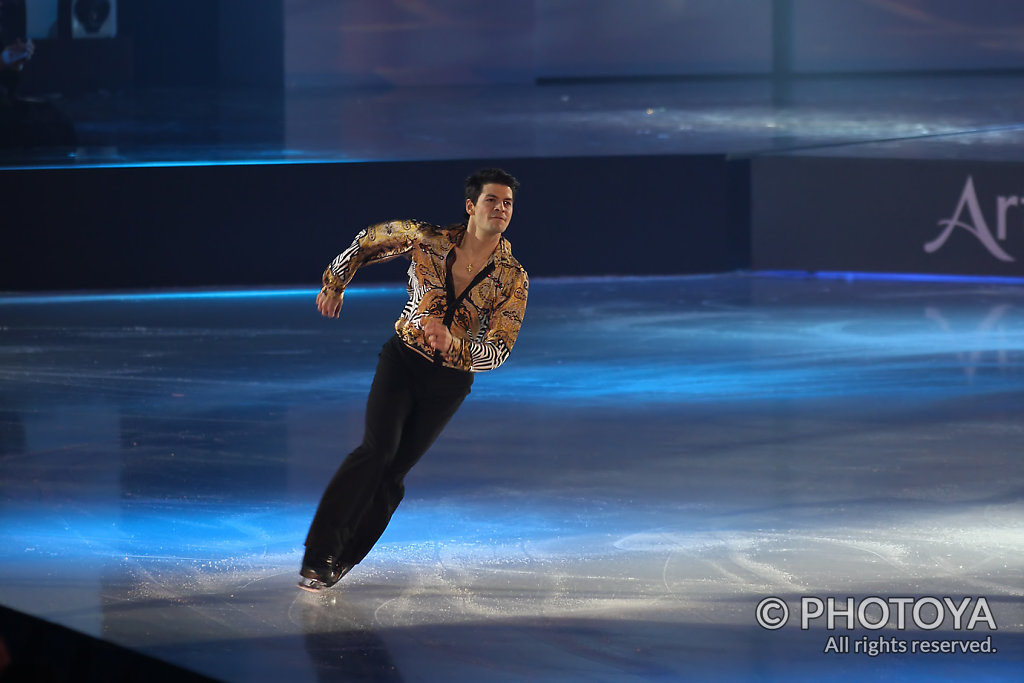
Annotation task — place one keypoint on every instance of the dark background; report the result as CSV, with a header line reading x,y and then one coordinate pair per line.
x,y
186,43
203,225
298,43
181,226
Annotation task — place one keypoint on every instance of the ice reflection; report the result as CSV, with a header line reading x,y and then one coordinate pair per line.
x,y
992,332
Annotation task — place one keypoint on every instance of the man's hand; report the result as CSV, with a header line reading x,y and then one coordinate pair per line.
x,y
329,306
437,335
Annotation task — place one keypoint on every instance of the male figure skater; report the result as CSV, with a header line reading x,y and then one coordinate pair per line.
x,y
467,297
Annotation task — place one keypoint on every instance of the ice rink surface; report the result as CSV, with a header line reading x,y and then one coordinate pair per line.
x,y
657,458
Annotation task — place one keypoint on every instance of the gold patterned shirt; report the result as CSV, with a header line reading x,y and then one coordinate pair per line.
x,y
484,320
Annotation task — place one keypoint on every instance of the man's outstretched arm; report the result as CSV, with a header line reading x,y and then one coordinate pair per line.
x,y
375,244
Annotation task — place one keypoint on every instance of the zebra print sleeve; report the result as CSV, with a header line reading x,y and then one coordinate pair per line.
x,y
492,348
375,244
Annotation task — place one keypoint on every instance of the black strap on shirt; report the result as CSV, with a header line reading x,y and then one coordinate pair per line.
x,y
453,302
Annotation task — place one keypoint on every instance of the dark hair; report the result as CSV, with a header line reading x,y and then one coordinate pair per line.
x,y
475,183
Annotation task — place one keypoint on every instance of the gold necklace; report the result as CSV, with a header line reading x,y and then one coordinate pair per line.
x,y
469,268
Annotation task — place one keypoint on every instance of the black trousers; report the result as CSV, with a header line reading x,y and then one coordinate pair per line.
x,y
411,400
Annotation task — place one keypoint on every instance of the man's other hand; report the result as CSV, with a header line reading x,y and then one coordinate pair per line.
x,y
437,335
329,306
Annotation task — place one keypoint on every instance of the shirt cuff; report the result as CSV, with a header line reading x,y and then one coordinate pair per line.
x,y
454,355
333,286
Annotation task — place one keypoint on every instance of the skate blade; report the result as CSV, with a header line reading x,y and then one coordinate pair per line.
x,y
311,585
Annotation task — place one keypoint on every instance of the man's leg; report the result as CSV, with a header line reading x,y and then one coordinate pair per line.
x,y
359,476
436,403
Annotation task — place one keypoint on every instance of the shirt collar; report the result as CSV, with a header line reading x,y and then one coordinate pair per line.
x,y
502,253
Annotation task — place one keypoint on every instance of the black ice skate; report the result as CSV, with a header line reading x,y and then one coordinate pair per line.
x,y
321,571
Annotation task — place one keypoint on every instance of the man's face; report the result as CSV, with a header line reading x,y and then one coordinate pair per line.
x,y
493,208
